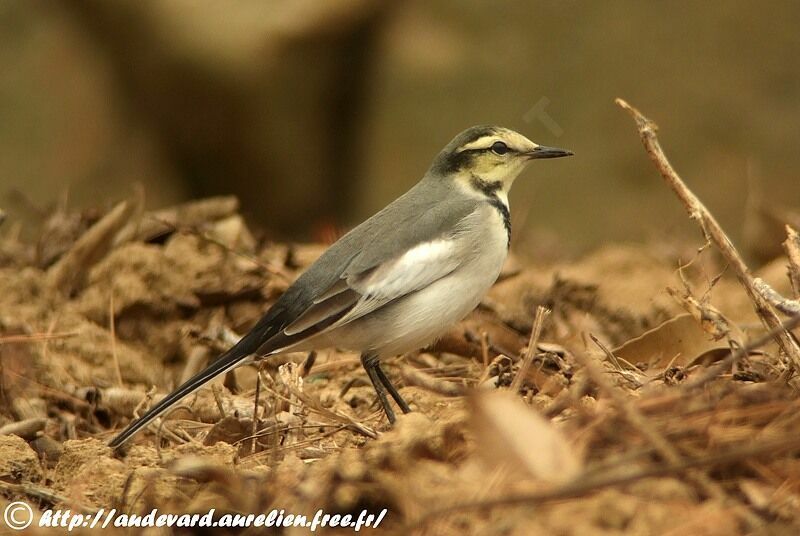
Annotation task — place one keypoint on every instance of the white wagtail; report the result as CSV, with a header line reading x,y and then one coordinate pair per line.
x,y
400,279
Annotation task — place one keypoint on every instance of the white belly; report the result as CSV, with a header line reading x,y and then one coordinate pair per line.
x,y
417,319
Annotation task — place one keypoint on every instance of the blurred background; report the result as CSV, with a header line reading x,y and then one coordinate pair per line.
x,y
318,113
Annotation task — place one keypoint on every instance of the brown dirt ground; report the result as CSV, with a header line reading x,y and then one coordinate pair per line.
x,y
581,462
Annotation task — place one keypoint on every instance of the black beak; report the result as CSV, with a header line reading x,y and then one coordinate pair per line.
x,y
548,152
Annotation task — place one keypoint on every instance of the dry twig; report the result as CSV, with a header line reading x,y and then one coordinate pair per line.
x,y
113,333
630,374
34,337
413,376
218,400
709,317
629,411
26,429
664,448
713,232
191,213
613,477
784,305
714,371
44,494
69,272
315,406
536,331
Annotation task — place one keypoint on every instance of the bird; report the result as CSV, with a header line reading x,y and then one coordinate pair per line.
x,y
399,280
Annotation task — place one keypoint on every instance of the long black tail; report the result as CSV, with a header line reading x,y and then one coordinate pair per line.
x,y
264,339
227,361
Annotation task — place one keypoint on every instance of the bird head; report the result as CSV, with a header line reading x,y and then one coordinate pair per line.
x,y
490,155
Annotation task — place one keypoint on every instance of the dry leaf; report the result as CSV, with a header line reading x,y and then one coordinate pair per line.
x,y
679,341
511,433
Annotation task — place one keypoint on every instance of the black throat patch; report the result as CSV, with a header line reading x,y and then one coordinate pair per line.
x,y
490,189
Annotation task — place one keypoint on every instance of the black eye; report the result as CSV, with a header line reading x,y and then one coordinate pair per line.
x,y
499,147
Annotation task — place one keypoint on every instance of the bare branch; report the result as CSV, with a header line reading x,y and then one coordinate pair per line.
x,y
713,232
784,305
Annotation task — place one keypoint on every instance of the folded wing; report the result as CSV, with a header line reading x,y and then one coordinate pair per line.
x,y
358,294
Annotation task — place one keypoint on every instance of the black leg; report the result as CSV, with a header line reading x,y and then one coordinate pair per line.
x,y
370,363
392,389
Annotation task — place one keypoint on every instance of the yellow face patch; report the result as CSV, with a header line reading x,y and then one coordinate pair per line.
x,y
493,167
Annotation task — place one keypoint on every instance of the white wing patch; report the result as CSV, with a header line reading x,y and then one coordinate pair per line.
x,y
415,269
